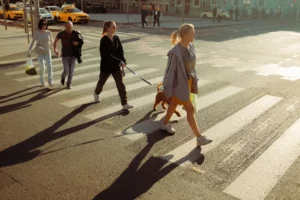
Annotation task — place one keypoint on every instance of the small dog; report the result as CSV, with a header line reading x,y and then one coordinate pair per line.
x,y
161,97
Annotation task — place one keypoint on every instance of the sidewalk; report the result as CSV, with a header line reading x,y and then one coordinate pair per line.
x,y
166,22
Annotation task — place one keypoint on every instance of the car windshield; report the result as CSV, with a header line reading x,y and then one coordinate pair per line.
x,y
54,8
73,10
14,8
43,11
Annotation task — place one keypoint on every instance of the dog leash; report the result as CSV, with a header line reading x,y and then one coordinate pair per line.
x,y
137,75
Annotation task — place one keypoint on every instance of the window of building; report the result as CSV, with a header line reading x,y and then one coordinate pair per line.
x,y
247,2
196,2
261,3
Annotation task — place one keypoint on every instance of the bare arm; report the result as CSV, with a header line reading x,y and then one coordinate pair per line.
x,y
54,46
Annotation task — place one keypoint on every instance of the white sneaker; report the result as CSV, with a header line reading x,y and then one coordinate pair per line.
x,y
96,97
166,127
127,106
202,140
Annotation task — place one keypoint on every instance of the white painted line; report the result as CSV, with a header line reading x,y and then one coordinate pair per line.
x,y
109,93
130,50
87,41
165,57
263,174
153,54
91,84
54,66
148,126
92,34
136,102
212,52
223,130
92,37
288,59
295,56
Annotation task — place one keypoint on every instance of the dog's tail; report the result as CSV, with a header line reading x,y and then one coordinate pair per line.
x,y
158,86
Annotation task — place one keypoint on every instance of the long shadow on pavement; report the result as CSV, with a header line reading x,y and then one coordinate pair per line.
x,y
137,180
43,93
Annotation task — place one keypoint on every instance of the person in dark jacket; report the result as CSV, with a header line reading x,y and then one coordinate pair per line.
x,y
77,37
156,16
144,14
112,59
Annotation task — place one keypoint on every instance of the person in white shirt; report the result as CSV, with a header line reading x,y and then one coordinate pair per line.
x,y
42,37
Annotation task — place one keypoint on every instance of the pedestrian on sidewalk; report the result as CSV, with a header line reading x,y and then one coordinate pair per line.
x,y
67,53
156,16
219,14
42,37
237,13
214,13
112,60
150,16
180,80
144,14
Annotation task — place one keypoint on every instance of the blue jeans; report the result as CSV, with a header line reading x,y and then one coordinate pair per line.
x,y
69,66
42,59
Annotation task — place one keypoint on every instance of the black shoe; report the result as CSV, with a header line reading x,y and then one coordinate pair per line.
x,y
79,60
62,81
69,86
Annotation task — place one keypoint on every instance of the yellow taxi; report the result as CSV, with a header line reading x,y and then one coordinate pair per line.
x,y
71,13
12,13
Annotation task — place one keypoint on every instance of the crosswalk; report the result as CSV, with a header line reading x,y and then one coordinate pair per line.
x,y
269,166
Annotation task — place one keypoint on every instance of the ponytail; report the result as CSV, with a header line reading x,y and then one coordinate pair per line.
x,y
106,25
174,37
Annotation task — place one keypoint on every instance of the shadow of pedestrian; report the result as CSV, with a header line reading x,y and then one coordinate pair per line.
x,y
42,93
139,177
15,93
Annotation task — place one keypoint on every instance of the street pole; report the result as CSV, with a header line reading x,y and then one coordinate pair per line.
x,y
26,20
298,9
4,15
183,10
31,18
36,14
81,5
128,10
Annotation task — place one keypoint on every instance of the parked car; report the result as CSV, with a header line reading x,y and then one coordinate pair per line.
x,y
13,12
72,14
44,14
209,14
52,10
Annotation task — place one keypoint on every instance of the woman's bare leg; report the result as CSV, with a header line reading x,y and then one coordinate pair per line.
x,y
191,118
170,111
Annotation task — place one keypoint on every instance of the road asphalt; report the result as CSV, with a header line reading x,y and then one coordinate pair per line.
x,y
59,144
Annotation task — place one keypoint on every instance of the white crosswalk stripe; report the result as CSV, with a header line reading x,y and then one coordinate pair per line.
x,y
89,98
137,103
225,129
262,175
148,126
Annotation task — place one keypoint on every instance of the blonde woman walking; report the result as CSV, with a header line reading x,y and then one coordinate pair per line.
x,y
181,79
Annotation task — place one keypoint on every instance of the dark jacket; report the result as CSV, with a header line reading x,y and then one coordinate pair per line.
x,y
156,16
76,50
111,53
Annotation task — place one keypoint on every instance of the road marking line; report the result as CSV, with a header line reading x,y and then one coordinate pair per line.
x,y
92,37
114,110
148,126
89,98
87,85
295,56
263,174
288,59
223,130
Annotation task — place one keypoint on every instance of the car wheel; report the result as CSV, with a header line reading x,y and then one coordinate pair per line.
x,y
204,16
70,19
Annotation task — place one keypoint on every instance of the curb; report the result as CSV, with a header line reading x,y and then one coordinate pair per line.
x,y
22,26
208,26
